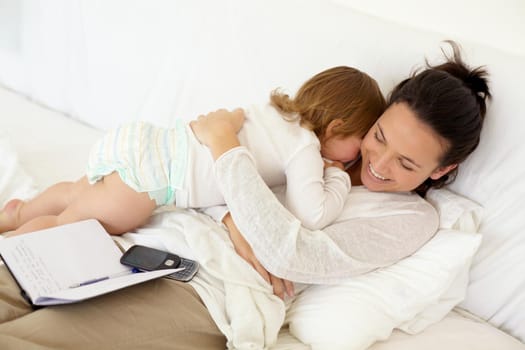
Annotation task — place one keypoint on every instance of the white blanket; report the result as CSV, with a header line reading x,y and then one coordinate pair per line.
x,y
239,300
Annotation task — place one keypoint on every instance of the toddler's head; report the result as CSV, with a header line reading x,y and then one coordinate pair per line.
x,y
337,103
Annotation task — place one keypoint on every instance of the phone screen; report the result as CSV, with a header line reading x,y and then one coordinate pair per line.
x,y
147,258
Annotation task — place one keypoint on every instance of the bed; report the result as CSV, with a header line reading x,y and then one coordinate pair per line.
x,y
37,167
46,131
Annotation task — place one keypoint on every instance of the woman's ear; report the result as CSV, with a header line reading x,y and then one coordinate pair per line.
x,y
442,171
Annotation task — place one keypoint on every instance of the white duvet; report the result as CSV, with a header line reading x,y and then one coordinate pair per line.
x,y
239,300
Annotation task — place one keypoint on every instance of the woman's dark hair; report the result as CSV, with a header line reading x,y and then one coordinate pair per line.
x,y
451,99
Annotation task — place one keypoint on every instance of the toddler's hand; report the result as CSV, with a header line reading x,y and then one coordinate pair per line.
x,y
335,163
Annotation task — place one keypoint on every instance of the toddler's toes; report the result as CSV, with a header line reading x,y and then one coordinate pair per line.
x,y
9,215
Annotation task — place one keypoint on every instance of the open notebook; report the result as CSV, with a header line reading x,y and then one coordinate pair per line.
x,y
69,263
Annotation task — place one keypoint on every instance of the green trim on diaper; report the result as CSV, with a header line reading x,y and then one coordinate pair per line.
x,y
180,163
159,196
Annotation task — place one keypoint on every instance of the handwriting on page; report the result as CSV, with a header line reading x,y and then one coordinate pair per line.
x,y
34,270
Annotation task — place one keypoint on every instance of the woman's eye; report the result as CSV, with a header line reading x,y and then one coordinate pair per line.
x,y
405,166
377,137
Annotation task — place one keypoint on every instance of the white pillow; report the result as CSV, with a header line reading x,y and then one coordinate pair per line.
x,y
410,295
459,213
14,182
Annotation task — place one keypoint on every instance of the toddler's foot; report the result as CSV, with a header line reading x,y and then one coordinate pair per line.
x,y
9,216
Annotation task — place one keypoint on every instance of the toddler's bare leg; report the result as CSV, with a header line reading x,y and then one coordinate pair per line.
x,y
52,201
117,206
9,215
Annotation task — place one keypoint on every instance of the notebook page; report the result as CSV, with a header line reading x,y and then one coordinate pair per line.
x,y
54,259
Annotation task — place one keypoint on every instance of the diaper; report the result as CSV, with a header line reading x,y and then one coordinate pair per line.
x,y
146,157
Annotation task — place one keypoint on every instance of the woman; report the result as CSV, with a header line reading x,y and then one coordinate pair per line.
x,y
433,122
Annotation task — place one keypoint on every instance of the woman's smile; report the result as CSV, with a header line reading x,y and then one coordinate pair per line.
x,y
375,174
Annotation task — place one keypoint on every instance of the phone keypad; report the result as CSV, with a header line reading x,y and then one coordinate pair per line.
x,y
190,268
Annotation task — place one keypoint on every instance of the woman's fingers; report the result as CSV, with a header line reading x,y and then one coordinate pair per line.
x,y
288,286
261,270
243,248
237,118
278,286
234,118
282,287
215,124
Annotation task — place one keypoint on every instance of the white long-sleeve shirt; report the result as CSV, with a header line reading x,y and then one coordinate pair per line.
x,y
284,153
375,229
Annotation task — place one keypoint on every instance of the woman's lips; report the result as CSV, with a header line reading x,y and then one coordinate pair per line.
x,y
375,175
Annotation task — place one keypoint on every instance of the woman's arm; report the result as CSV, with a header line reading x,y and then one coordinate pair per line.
x,y
367,237
315,191
221,138
242,247
375,230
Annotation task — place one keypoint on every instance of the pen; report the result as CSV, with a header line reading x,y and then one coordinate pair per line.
x,y
103,278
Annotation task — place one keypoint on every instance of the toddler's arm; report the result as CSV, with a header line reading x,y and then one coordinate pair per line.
x,y
315,194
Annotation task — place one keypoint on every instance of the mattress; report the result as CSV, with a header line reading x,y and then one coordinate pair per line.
x,y
53,147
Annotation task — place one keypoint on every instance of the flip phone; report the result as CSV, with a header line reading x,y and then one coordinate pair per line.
x,y
148,259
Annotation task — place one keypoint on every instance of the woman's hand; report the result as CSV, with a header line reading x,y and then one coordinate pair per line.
x,y
242,247
218,130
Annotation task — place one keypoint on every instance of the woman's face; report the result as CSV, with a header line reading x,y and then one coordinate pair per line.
x,y
399,152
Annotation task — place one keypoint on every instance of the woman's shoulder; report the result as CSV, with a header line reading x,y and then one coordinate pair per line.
x,y
412,214
361,202
395,223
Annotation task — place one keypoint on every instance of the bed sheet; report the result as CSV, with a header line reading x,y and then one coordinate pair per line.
x,y
52,147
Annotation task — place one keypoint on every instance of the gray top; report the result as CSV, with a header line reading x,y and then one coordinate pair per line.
x,y
375,229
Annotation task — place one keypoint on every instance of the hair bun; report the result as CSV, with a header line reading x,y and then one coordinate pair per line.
x,y
475,79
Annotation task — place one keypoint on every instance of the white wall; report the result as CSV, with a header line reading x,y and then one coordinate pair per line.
x,y
111,59
10,11
496,23
10,41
